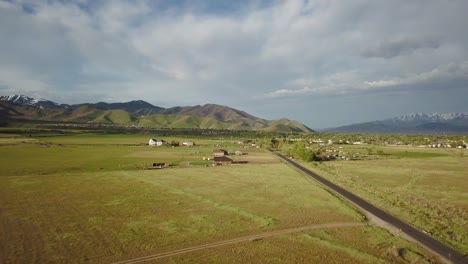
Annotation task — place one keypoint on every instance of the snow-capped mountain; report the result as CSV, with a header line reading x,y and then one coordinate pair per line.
x,y
434,117
415,123
26,100
137,107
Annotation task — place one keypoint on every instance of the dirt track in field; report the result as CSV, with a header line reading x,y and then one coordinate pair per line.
x,y
237,240
449,254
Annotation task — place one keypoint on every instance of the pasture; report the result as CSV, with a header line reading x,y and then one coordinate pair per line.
x,y
87,198
426,187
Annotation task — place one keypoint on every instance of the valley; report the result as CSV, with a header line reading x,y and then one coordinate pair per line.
x,y
85,177
87,197
194,131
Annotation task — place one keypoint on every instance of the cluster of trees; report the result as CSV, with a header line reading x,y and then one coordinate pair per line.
x,y
299,149
296,149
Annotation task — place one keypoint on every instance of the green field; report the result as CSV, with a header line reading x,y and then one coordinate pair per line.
x,y
425,187
88,198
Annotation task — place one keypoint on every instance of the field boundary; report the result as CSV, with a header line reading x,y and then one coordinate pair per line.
x,y
250,238
447,253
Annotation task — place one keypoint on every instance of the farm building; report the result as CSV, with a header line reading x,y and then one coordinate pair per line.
x,y
220,153
159,165
222,160
187,144
239,153
156,142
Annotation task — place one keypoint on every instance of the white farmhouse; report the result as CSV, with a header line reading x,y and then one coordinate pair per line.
x,y
187,143
156,142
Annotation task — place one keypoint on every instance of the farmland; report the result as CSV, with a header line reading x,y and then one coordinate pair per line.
x,y
87,198
424,187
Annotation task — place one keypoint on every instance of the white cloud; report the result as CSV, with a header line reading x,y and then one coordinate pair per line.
x,y
389,48
13,81
446,72
348,83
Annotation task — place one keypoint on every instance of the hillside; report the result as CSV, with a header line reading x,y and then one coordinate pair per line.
x,y
416,123
29,101
141,113
135,107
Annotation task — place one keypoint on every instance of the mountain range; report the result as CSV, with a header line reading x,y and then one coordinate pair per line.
x,y
415,123
141,113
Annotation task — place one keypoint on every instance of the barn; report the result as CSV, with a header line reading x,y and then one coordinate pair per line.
x,y
220,153
222,161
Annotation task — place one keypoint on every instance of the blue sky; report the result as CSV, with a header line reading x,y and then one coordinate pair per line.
x,y
323,63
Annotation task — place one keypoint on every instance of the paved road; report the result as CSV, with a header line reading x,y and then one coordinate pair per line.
x,y
237,240
424,239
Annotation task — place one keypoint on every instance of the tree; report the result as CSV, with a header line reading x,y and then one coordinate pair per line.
x,y
298,149
274,143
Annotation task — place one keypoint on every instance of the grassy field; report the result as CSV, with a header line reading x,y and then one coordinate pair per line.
x,y
425,187
86,198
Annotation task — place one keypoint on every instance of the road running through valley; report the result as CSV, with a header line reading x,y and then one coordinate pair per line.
x,y
424,239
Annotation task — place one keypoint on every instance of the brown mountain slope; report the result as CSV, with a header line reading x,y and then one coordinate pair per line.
x,y
206,117
219,112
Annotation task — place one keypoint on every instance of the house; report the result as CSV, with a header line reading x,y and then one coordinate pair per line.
x,y
159,165
222,160
239,153
317,141
220,153
156,142
188,144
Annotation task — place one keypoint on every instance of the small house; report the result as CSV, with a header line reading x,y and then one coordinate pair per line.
x,y
156,142
188,144
222,160
239,153
220,153
159,165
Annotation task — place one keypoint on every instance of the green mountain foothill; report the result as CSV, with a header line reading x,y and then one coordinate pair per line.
x,y
142,114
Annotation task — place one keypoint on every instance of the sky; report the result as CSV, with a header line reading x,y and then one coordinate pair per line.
x,y
323,63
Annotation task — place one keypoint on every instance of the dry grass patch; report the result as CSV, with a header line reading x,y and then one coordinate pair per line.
x,y
336,245
428,192
85,202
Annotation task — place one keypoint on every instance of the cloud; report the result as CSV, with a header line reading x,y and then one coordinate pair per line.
x,y
31,83
230,52
452,71
398,47
448,72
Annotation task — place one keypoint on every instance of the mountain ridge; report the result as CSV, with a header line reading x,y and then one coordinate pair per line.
x,y
141,113
413,123
30,101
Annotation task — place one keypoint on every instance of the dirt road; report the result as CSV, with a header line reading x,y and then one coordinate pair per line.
x,y
425,240
237,240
